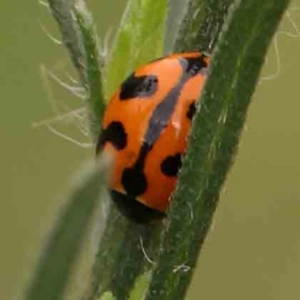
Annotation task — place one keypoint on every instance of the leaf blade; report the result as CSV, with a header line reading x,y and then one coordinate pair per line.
x,y
64,241
139,39
213,141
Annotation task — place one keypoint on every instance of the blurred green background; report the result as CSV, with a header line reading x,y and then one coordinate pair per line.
x,y
253,249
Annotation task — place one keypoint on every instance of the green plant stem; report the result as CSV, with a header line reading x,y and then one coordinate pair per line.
x,y
212,145
93,75
62,13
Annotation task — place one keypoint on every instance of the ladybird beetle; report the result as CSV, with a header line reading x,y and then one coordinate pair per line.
x,y
145,127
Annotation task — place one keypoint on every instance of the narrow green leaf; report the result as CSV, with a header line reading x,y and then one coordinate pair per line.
x,y
216,129
62,13
92,70
52,270
139,39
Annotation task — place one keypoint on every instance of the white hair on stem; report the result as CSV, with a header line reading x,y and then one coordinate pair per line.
x,y
49,35
76,90
61,118
44,3
144,252
63,114
69,139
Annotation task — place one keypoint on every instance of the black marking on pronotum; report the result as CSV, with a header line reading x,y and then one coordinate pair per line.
x,y
171,165
195,65
135,210
191,110
138,87
115,134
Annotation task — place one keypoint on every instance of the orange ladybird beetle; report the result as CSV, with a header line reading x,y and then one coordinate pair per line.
x,y
145,127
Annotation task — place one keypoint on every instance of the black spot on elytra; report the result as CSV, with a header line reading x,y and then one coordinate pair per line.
x,y
135,210
115,134
133,179
191,110
135,183
171,165
194,65
141,86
